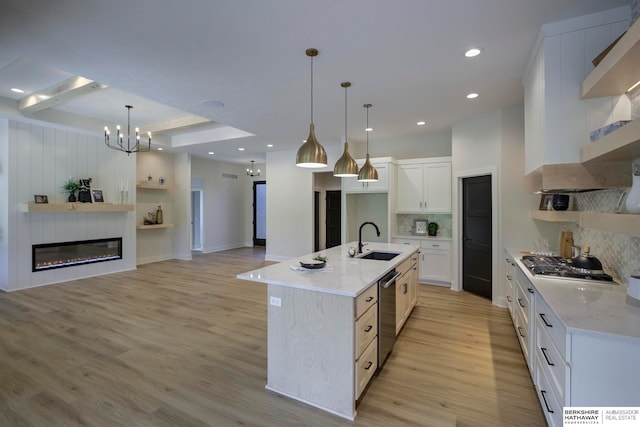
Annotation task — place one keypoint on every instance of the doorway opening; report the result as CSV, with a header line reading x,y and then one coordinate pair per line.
x,y
477,232
196,219
333,218
260,213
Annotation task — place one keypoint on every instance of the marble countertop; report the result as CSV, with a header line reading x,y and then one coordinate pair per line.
x,y
599,308
343,275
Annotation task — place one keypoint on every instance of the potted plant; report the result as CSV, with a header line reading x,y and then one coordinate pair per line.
x,y
70,187
432,229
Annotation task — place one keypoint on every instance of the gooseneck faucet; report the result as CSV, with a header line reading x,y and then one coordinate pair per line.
x,y
360,234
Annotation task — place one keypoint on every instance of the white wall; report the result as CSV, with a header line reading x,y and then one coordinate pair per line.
x,y
37,159
408,147
226,188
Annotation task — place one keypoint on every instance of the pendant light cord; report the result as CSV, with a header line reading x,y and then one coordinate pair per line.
x,y
312,90
367,130
345,113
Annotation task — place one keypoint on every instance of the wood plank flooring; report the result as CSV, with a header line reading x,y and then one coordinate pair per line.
x,y
179,343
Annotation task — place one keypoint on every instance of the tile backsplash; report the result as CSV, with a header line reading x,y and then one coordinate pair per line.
x,y
406,223
619,253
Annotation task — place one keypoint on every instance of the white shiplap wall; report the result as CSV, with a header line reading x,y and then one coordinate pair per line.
x,y
40,159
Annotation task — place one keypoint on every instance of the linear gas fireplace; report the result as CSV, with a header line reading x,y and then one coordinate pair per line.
x,y
67,254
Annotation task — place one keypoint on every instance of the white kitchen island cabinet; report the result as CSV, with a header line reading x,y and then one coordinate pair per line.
x,y
584,346
323,325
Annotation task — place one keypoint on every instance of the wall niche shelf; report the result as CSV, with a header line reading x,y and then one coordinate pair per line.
x,y
618,70
153,226
151,186
628,224
620,145
556,216
75,207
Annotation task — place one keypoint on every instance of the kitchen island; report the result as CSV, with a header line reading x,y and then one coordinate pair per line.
x,y
322,324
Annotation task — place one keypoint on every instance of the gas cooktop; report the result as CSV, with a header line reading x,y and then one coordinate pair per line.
x,y
560,268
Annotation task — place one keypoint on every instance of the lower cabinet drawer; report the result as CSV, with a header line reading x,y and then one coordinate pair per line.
x,y
366,367
366,300
551,405
366,329
522,331
553,326
550,360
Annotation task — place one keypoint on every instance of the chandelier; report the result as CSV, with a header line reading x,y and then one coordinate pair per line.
x,y
252,172
120,145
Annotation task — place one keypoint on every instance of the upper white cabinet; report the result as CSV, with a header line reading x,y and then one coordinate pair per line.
x,y
352,185
424,186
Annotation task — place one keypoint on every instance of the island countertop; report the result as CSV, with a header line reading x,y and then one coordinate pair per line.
x,y
343,275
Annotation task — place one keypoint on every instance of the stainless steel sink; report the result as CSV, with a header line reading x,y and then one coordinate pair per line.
x,y
379,256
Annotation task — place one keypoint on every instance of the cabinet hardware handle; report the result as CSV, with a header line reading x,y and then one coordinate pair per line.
x,y
544,353
530,290
544,319
435,246
368,328
369,299
405,286
520,332
544,397
371,363
520,302
509,278
507,259
509,298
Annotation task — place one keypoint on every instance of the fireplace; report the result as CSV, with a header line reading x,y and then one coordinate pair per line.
x,y
67,254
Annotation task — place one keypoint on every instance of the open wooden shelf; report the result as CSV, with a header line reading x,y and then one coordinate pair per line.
x,y
153,226
75,207
151,186
628,224
618,71
556,216
621,144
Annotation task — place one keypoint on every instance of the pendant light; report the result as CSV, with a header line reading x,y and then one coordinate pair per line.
x,y
311,154
367,173
345,166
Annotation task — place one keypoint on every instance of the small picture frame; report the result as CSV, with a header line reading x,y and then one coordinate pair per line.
x,y
545,199
420,227
96,195
41,198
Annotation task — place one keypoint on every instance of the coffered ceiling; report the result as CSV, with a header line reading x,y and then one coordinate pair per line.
x,y
214,75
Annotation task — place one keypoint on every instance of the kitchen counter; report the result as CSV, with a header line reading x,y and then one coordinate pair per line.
x,y
343,275
596,308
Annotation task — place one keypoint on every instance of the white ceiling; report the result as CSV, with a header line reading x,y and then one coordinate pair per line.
x,y
167,57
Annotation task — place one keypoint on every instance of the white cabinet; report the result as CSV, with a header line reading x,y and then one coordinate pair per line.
x,y
424,187
351,184
435,262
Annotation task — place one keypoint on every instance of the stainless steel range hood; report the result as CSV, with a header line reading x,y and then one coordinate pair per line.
x,y
578,177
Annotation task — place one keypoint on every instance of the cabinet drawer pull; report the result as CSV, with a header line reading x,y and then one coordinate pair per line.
x,y
369,299
435,246
530,290
544,397
509,278
368,328
544,353
520,332
366,368
520,302
509,298
405,288
544,319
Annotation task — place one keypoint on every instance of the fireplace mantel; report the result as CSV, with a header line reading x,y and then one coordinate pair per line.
x,y
75,207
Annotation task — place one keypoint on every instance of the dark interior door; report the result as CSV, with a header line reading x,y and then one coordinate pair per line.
x,y
333,210
476,232
316,221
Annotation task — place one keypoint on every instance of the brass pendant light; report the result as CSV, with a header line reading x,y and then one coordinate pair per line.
x,y
367,173
311,154
345,166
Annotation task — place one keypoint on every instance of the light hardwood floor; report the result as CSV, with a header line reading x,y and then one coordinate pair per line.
x,y
179,343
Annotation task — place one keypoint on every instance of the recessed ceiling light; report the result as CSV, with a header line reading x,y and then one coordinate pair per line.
x,y
472,95
212,103
211,153
421,123
240,149
369,129
270,145
160,148
16,90
475,51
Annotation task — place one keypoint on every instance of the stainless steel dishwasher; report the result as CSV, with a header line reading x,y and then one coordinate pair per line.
x,y
386,315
